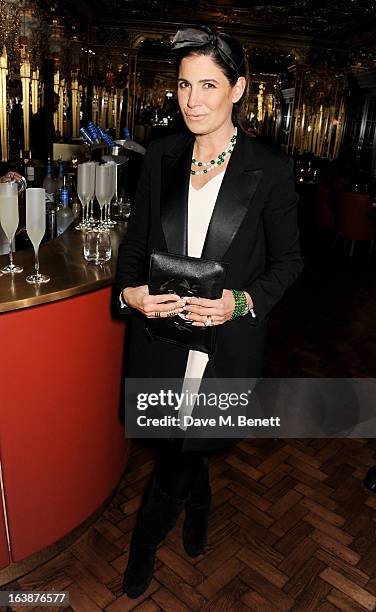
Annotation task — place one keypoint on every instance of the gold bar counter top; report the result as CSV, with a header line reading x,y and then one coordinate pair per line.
x,y
62,259
63,447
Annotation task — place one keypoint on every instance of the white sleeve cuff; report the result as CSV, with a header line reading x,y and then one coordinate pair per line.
x,y
122,302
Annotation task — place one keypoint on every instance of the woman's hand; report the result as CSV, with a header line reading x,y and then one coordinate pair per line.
x,y
9,177
219,310
153,306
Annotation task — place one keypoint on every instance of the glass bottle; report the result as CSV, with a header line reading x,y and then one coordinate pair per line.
x,y
64,215
50,186
20,166
86,137
91,128
30,172
59,182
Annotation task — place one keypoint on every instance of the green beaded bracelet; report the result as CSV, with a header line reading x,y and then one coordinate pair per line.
x,y
241,304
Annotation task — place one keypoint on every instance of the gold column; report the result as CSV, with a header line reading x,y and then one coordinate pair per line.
x,y
95,105
34,91
114,108
110,115
103,109
116,114
129,93
323,133
310,129
59,125
131,86
296,110
120,94
314,122
56,90
79,103
330,129
316,150
118,109
3,105
260,102
302,130
56,81
339,132
25,80
75,115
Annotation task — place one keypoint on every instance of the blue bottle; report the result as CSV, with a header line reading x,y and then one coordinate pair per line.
x,y
64,216
87,139
93,132
106,137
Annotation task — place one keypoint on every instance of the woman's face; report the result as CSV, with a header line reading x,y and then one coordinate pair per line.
x,y
205,94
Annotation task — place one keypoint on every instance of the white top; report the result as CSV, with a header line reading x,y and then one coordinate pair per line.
x,y
201,204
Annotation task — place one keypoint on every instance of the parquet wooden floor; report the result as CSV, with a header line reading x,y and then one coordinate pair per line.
x,y
291,528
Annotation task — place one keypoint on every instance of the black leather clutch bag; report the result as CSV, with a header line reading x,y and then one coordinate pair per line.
x,y
185,276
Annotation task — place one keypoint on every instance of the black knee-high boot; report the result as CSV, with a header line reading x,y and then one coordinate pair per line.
x,y
197,508
157,517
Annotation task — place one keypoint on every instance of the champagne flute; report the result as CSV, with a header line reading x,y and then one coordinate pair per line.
x,y
92,220
35,227
85,188
111,193
9,220
102,178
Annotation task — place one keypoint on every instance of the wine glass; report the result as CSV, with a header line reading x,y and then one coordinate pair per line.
x,y
85,188
35,227
125,207
102,179
9,220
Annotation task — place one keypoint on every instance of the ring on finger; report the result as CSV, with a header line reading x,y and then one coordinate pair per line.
x,y
184,315
157,314
209,321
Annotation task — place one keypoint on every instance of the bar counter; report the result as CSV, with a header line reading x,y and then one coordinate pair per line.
x,y
62,259
62,443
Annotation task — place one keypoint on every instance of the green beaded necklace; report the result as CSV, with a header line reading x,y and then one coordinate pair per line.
x,y
206,167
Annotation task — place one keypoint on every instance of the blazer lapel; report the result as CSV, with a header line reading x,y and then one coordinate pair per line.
x,y
234,198
176,166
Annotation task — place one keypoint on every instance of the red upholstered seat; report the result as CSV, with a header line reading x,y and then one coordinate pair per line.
x,y
352,218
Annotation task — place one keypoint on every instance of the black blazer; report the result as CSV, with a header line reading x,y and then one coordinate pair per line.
x,y
253,228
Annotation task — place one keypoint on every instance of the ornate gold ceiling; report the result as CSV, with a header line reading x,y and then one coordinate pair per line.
x,y
313,18
334,35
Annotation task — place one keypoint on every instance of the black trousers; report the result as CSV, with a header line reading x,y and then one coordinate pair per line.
x,y
176,472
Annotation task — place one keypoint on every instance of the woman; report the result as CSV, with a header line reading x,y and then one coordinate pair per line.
x,y
213,193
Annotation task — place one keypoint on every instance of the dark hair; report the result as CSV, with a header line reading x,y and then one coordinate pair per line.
x,y
225,51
